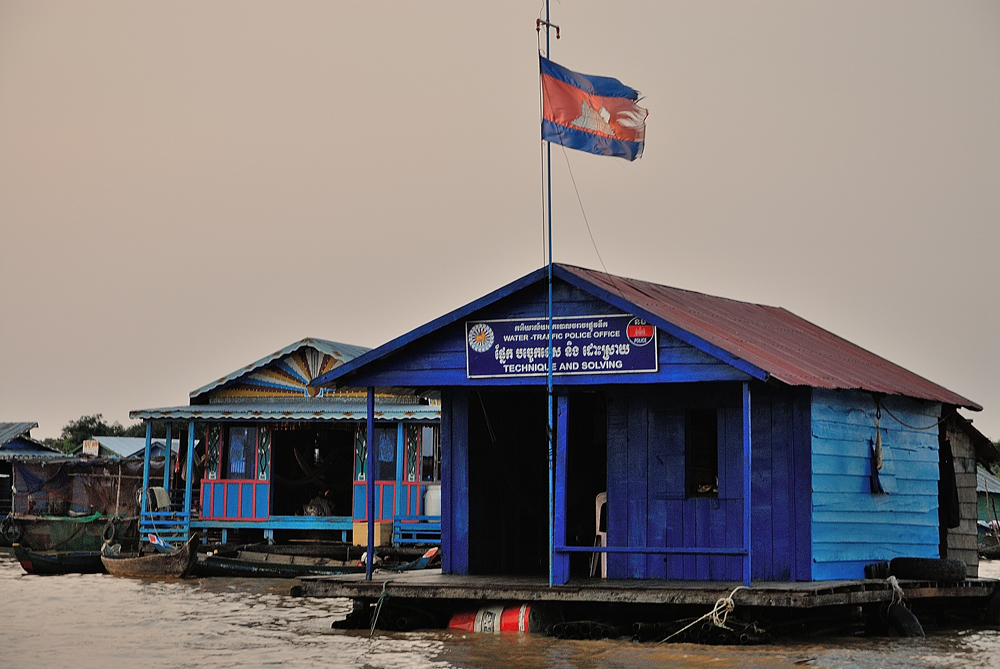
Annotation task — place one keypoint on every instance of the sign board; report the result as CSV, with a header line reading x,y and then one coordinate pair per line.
x,y
91,447
513,347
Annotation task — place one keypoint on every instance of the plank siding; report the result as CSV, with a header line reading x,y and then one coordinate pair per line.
x,y
850,526
962,541
647,498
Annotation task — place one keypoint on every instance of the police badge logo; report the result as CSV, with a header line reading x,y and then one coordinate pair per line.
x,y
481,338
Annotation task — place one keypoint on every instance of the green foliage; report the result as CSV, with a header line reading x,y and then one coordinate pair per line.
x,y
76,431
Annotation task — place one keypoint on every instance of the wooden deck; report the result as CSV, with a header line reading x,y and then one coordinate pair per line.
x,y
432,584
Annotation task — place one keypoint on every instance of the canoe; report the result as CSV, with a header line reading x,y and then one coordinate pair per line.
x,y
176,563
58,562
271,565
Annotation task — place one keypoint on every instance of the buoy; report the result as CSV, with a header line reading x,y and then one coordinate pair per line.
x,y
494,620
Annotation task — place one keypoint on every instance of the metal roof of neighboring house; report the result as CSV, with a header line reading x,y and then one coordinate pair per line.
x,y
763,341
10,431
341,352
789,348
16,442
279,411
124,447
984,479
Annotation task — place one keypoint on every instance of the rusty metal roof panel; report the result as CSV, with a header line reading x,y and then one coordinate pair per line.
x,y
787,347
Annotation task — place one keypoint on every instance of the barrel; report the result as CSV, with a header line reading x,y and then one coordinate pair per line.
x,y
494,620
432,500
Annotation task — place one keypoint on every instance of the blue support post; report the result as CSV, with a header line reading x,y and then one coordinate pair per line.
x,y
400,471
370,482
747,470
189,472
560,561
145,467
166,461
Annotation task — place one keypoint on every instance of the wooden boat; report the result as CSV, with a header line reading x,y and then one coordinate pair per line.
x,y
58,562
278,565
271,565
177,563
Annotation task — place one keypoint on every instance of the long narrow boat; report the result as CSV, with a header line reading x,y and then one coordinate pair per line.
x,y
58,562
178,562
271,565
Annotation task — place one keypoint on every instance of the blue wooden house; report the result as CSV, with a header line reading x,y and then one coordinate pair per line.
x,y
274,454
696,437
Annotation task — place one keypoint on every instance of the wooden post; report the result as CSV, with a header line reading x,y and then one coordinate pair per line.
x,y
145,467
189,475
400,505
560,561
166,460
370,482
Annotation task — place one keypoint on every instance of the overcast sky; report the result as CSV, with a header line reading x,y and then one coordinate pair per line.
x,y
186,187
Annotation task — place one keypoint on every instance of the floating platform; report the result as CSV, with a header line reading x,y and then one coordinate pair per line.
x,y
433,585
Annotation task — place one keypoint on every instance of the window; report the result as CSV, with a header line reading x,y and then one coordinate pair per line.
x,y
701,445
430,453
385,453
241,452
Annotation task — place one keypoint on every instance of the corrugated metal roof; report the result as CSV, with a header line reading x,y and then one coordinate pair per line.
x,y
10,431
787,347
279,411
984,478
343,352
124,447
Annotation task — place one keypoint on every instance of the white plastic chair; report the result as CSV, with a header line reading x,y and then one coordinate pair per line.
x,y
601,538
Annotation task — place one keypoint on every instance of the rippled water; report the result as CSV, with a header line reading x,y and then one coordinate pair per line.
x,y
83,621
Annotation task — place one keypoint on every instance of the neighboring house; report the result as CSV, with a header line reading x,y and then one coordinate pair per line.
x,y
987,498
16,443
733,440
277,458
128,447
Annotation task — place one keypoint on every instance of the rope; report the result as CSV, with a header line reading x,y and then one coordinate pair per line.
x,y
881,407
897,591
378,607
723,607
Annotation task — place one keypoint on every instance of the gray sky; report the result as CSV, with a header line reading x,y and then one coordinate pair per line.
x,y
186,187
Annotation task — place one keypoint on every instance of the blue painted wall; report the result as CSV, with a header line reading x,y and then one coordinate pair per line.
x,y
852,527
647,501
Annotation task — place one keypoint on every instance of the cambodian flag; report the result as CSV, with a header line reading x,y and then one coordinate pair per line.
x,y
595,114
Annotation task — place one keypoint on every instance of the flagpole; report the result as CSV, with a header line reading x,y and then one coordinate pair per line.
x,y
550,428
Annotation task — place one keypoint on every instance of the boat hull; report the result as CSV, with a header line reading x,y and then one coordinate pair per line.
x,y
176,564
58,562
269,565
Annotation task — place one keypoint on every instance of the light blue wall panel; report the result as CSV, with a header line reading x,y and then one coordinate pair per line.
x,y
852,527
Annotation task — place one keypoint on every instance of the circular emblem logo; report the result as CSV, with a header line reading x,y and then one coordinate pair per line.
x,y
481,338
640,332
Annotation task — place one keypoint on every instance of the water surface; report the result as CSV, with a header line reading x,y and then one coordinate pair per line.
x,y
98,621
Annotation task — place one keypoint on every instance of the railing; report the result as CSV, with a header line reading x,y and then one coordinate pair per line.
x,y
167,525
417,530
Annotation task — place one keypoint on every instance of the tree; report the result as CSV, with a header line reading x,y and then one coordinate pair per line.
x,y
76,431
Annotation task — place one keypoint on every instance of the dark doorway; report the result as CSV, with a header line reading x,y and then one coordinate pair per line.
x,y
312,462
508,484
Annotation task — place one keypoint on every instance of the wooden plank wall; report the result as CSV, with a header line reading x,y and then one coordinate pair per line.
x,y
647,501
852,527
963,540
